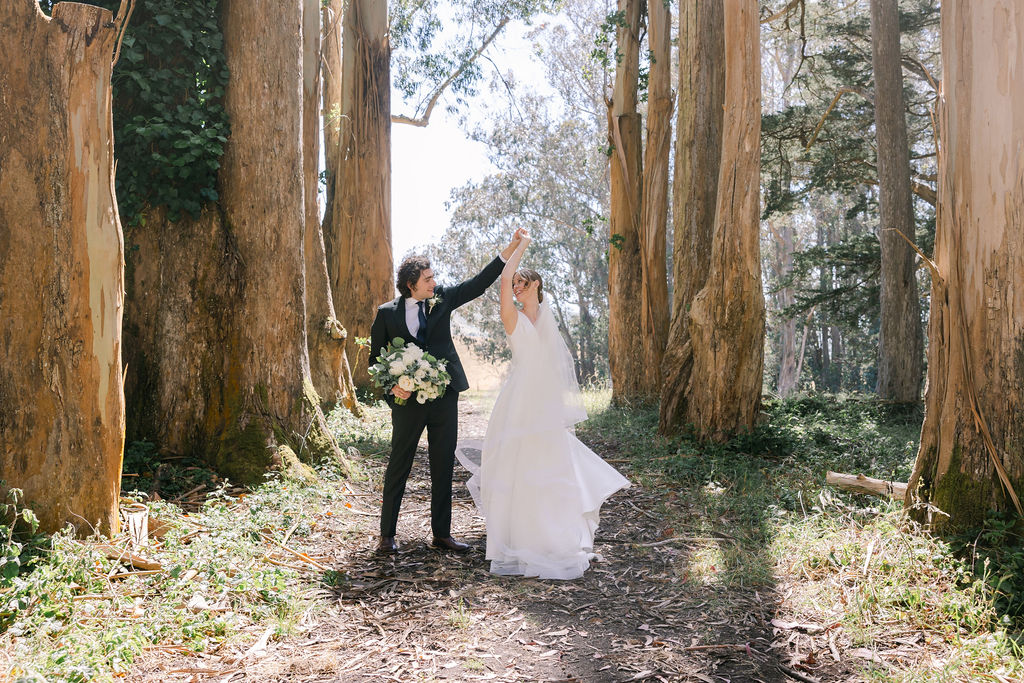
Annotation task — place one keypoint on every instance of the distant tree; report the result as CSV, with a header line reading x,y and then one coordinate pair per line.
x,y
900,339
819,163
552,177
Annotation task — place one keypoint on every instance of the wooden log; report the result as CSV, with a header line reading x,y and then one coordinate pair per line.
x,y
858,483
114,552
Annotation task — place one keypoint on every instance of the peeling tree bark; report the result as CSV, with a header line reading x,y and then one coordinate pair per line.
x,y
727,315
625,346
359,242
328,362
654,305
695,188
900,339
61,266
974,403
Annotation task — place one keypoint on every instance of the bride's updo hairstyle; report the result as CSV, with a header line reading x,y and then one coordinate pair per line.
x,y
531,275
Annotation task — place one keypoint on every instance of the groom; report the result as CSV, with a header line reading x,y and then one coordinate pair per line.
x,y
422,314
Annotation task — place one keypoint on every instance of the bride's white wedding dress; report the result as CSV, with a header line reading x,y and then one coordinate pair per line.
x,y
538,486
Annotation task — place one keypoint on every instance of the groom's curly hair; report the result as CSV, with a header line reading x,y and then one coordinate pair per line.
x,y
409,273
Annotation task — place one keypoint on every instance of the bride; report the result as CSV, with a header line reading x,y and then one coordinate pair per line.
x,y
538,487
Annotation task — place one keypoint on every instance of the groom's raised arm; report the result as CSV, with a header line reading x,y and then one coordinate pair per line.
x,y
475,286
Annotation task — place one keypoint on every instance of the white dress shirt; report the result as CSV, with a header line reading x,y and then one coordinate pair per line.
x,y
412,316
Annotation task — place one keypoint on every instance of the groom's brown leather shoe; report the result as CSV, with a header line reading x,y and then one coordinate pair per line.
x,y
387,545
449,543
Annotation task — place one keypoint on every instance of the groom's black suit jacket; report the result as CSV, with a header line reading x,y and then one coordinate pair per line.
x,y
390,322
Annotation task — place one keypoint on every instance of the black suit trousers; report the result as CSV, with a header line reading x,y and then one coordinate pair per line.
x,y
440,418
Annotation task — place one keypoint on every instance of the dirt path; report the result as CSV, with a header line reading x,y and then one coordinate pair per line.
x,y
425,615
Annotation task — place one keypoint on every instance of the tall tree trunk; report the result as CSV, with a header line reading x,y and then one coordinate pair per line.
x,y
328,362
654,302
695,188
359,244
727,315
216,315
267,395
975,398
61,266
900,340
331,24
625,347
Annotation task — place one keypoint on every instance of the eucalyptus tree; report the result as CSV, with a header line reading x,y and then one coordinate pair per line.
x,y
701,98
61,269
216,281
971,458
714,362
625,272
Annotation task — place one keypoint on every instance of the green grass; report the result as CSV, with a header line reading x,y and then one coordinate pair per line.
x,y
761,501
65,619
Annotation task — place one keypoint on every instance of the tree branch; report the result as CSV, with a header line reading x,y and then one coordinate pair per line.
x,y
785,10
866,94
423,120
124,14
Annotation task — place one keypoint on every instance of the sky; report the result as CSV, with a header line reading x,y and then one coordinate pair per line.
x,y
428,163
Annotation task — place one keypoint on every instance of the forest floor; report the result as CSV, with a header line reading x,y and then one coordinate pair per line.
x,y
721,563
428,615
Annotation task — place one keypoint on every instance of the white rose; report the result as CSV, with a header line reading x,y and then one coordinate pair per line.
x,y
396,367
420,374
412,352
405,382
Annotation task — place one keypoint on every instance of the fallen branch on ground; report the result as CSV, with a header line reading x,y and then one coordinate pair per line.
x,y
858,483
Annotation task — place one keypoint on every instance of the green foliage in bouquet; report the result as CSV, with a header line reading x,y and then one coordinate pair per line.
x,y
407,366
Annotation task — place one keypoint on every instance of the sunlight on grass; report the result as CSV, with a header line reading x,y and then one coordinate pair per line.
x,y
858,562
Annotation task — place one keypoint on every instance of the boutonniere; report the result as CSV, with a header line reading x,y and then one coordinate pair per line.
x,y
433,301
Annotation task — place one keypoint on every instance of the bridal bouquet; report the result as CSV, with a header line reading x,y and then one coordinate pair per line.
x,y
409,367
